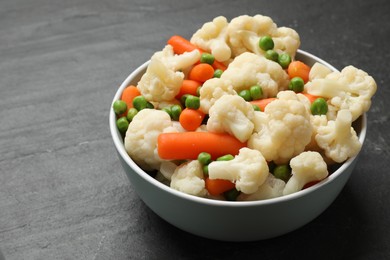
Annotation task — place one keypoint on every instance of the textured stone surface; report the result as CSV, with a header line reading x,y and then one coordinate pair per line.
x,y
63,194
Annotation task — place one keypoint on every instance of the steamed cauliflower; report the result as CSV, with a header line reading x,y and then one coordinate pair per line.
x,y
283,130
350,89
318,71
162,79
249,69
248,170
305,167
212,37
160,83
271,188
316,122
188,178
141,137
177,62
233,115
212,90
338,138
245,31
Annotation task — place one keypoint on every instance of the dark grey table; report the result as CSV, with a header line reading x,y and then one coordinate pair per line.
x,y
63,194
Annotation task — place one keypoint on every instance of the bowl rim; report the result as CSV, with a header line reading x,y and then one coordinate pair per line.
x,y
116,136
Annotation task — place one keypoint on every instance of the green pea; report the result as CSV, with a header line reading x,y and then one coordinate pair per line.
x,y
256,92
272,55
226,157
218,73
266,43
183,99
231,195
319,107
122,124
192,102
284,60
204,158
168,110
245,94
256,107
175,112
149,105
282,172
296,84
131,114
271,166
119,107
205,170
207,58
140,102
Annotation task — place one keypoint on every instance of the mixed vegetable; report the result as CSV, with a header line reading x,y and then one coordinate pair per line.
x,y
231,114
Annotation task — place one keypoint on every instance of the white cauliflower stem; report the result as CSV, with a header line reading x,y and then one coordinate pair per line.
x,y
233,115
188,178
212,37
248,170
338,138
249,69
245,31
141,137
283,130
177,62
306,167
350,89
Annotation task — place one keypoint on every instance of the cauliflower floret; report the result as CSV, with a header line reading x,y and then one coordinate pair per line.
x,y
318,71
245,31
162,80
338,138
249,69
212,37
316,122
177,62
167,168
271,188
248,170
283,130
350,89
306,167
141,137
212,90
233,115
160,83
188,178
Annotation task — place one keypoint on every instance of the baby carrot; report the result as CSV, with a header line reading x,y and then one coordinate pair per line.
x,y
262,103
188,145
181,45
298,69
218,186
219,65
310,97
128,94
201,72
188,87
191,119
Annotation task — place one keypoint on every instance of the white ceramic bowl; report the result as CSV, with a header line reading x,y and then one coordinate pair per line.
x,y
234,221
